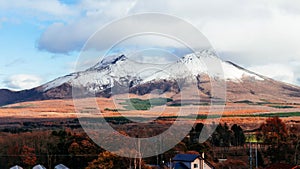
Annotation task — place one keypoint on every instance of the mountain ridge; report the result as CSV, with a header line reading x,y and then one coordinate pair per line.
x,y
119,74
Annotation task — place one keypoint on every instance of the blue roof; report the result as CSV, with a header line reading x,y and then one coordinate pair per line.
x,y
180,166
186,157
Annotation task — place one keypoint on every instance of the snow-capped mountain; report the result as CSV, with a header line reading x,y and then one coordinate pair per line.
x,y
121,70
118,74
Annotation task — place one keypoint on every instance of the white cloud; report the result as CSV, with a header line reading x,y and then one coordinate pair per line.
x,y
258,41
22,81
64,38
61,38
281,72
249,33
252,29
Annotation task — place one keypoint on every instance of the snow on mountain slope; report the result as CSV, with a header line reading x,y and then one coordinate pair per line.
x,y
96,78
235,74
121,70
59,81
104,74
197,63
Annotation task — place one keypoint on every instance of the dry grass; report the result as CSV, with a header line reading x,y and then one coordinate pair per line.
x,y
90,107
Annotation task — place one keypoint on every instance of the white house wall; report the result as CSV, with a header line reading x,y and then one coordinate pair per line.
x,y
197,161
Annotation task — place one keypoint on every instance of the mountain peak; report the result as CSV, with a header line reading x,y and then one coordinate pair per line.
x,y
109,60
113,59
206,52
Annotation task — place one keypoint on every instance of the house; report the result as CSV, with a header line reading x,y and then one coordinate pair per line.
x,y
39,167
190,161
16,167
60,166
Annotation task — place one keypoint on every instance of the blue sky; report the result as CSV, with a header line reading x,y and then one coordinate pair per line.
x,y
20,56
41,40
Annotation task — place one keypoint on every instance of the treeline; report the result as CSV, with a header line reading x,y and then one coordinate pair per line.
x,y
76,150
49,148
72,147
223,136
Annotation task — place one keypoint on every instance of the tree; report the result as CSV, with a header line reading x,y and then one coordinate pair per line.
x,y
238,135
28,156
222,136
107,160
274,133
199,127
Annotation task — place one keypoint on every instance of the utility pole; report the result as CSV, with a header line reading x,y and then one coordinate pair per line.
x,y
161,148
140,155
157,160
256,162
250,153
295,156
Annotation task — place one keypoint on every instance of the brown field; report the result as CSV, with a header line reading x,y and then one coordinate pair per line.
x,y
64,109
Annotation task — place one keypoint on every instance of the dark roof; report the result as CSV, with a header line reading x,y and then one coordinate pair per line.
x,y
180,166
186,157
282,166
190,158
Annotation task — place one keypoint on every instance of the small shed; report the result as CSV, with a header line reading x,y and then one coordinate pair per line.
x,y
39,167
60,166
16,167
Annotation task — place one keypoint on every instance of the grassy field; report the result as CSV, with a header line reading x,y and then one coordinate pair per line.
x,y
141,104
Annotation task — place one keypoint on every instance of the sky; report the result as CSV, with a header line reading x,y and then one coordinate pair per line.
x,y
41,40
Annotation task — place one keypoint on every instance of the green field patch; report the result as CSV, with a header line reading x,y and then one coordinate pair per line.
x,y
140,104
282,106
281,114
245,101
188,104
202,116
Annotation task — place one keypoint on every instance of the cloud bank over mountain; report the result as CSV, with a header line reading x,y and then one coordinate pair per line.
x,y
255,34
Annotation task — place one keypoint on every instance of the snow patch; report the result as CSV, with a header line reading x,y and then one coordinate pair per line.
x,y
58,82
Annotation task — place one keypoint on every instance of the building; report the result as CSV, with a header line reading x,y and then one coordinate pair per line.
x,y
190,161
39,167
60,166
16,167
